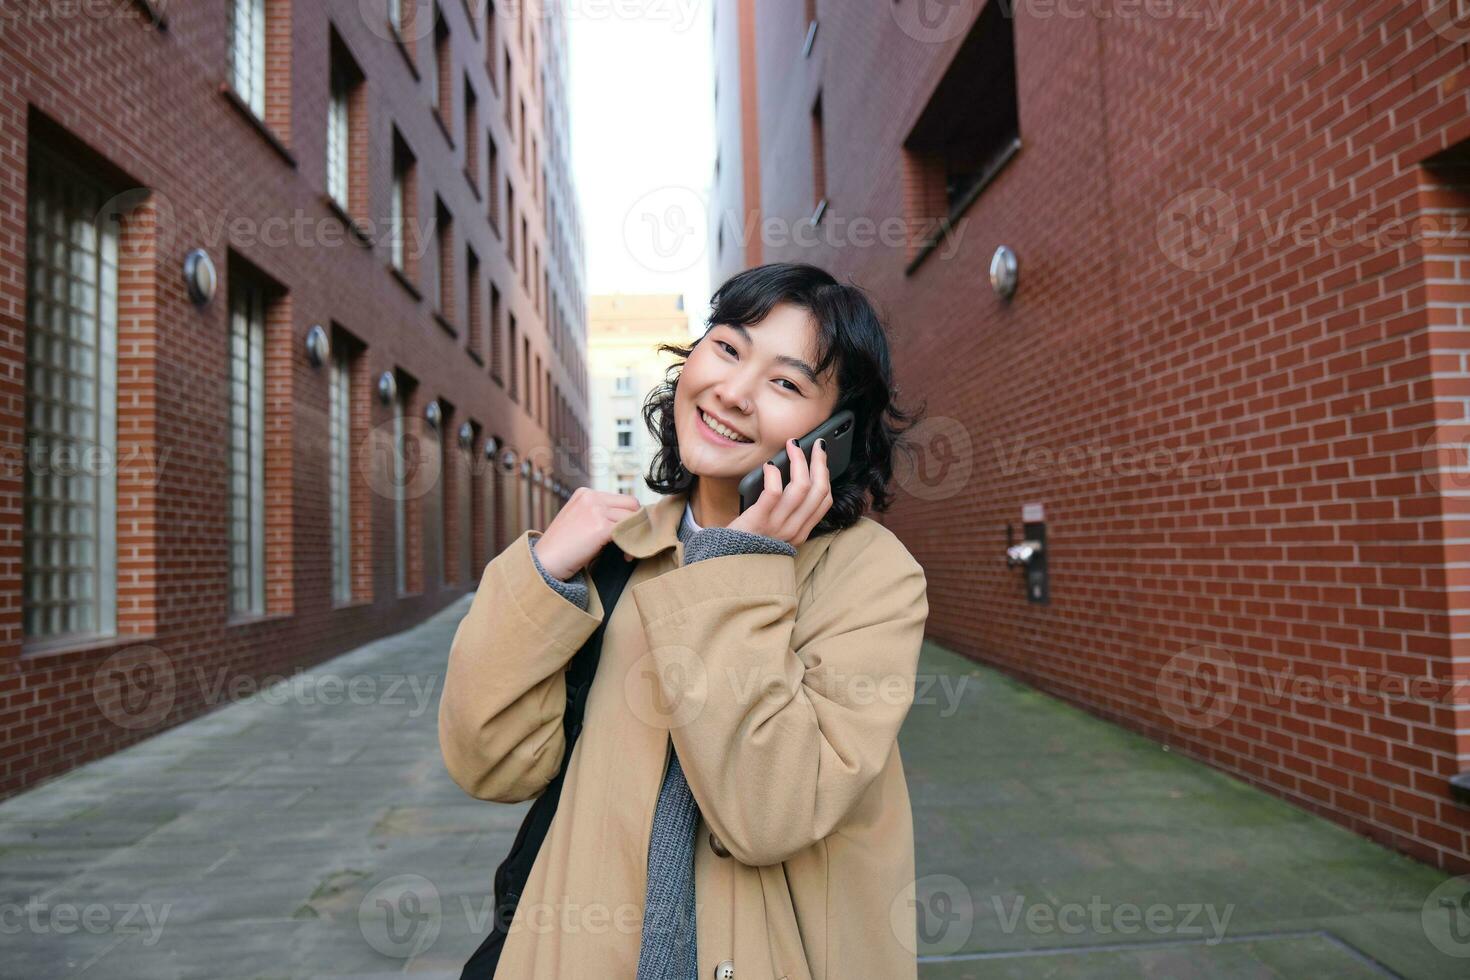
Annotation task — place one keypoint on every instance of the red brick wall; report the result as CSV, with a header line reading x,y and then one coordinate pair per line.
x,y
148,105
1234,432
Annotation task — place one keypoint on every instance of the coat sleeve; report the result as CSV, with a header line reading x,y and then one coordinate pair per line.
x,y
782,726
500,715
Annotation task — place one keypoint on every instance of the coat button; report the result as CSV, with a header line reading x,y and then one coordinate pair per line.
x,y
717,845
725,971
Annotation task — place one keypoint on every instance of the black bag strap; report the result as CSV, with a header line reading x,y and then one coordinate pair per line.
x,y
610,573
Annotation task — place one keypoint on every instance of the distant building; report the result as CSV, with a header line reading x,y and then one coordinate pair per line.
x,y
624,332
372,205
1231,381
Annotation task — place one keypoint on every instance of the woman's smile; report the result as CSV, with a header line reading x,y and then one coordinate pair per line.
x,y
711,434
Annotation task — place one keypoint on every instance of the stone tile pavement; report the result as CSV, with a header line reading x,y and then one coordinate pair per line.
x,y
310,831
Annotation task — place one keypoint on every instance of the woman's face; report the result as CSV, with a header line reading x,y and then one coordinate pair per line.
x,y
757,381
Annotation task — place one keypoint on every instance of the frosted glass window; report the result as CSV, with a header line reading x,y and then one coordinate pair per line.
x,y
69,568
247,52
247,446
341,478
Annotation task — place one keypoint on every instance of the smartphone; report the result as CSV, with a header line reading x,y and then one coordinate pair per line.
x,y
837,430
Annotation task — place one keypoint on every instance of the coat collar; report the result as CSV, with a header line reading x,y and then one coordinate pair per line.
x,y
654,528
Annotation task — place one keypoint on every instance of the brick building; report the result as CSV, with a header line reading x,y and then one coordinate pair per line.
x,y
1232,374
252,251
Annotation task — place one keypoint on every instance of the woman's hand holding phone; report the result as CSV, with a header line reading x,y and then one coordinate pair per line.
x,y
789,514
581,529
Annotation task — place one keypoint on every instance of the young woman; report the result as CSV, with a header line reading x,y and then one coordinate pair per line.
x,y
735,805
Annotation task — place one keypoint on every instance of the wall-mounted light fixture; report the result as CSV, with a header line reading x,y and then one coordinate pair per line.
x,y
318,345
491,448
466,435
200,277
433,414
1004,272
508,460
387,387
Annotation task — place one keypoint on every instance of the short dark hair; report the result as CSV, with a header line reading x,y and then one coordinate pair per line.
x,y
851,335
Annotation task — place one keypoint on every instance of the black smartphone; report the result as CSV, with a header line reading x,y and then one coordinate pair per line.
x,y
837,430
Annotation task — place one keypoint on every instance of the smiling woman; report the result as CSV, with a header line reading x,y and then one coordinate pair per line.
x,y
786,348
735,804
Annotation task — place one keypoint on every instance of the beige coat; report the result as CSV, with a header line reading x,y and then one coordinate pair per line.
x,y
782,682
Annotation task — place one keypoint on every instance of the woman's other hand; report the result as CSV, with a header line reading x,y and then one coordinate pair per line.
x,y
581,529
789,514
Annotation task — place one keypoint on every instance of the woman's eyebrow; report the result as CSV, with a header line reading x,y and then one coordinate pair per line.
x,y
791,362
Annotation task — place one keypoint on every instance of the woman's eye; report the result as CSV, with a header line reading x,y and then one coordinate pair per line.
x,y
793,387
726,346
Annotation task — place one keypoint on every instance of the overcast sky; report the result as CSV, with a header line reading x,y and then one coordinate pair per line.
x,y
643,145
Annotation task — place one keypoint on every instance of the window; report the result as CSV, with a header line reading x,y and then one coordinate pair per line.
x,y
247,53
400,493
966,133
247,445
510,94
69,567
625,433
492,32
522,137
514,384
464,491
495,332
343,120
471,136
623,385
625,483
493,158
440,95
525,259
340,472
404,208
819,163
510,211
475,308
444,246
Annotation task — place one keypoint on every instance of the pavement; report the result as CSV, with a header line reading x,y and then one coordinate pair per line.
x,y
308,829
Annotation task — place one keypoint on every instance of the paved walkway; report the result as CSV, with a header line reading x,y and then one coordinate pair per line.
x,y
311,831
